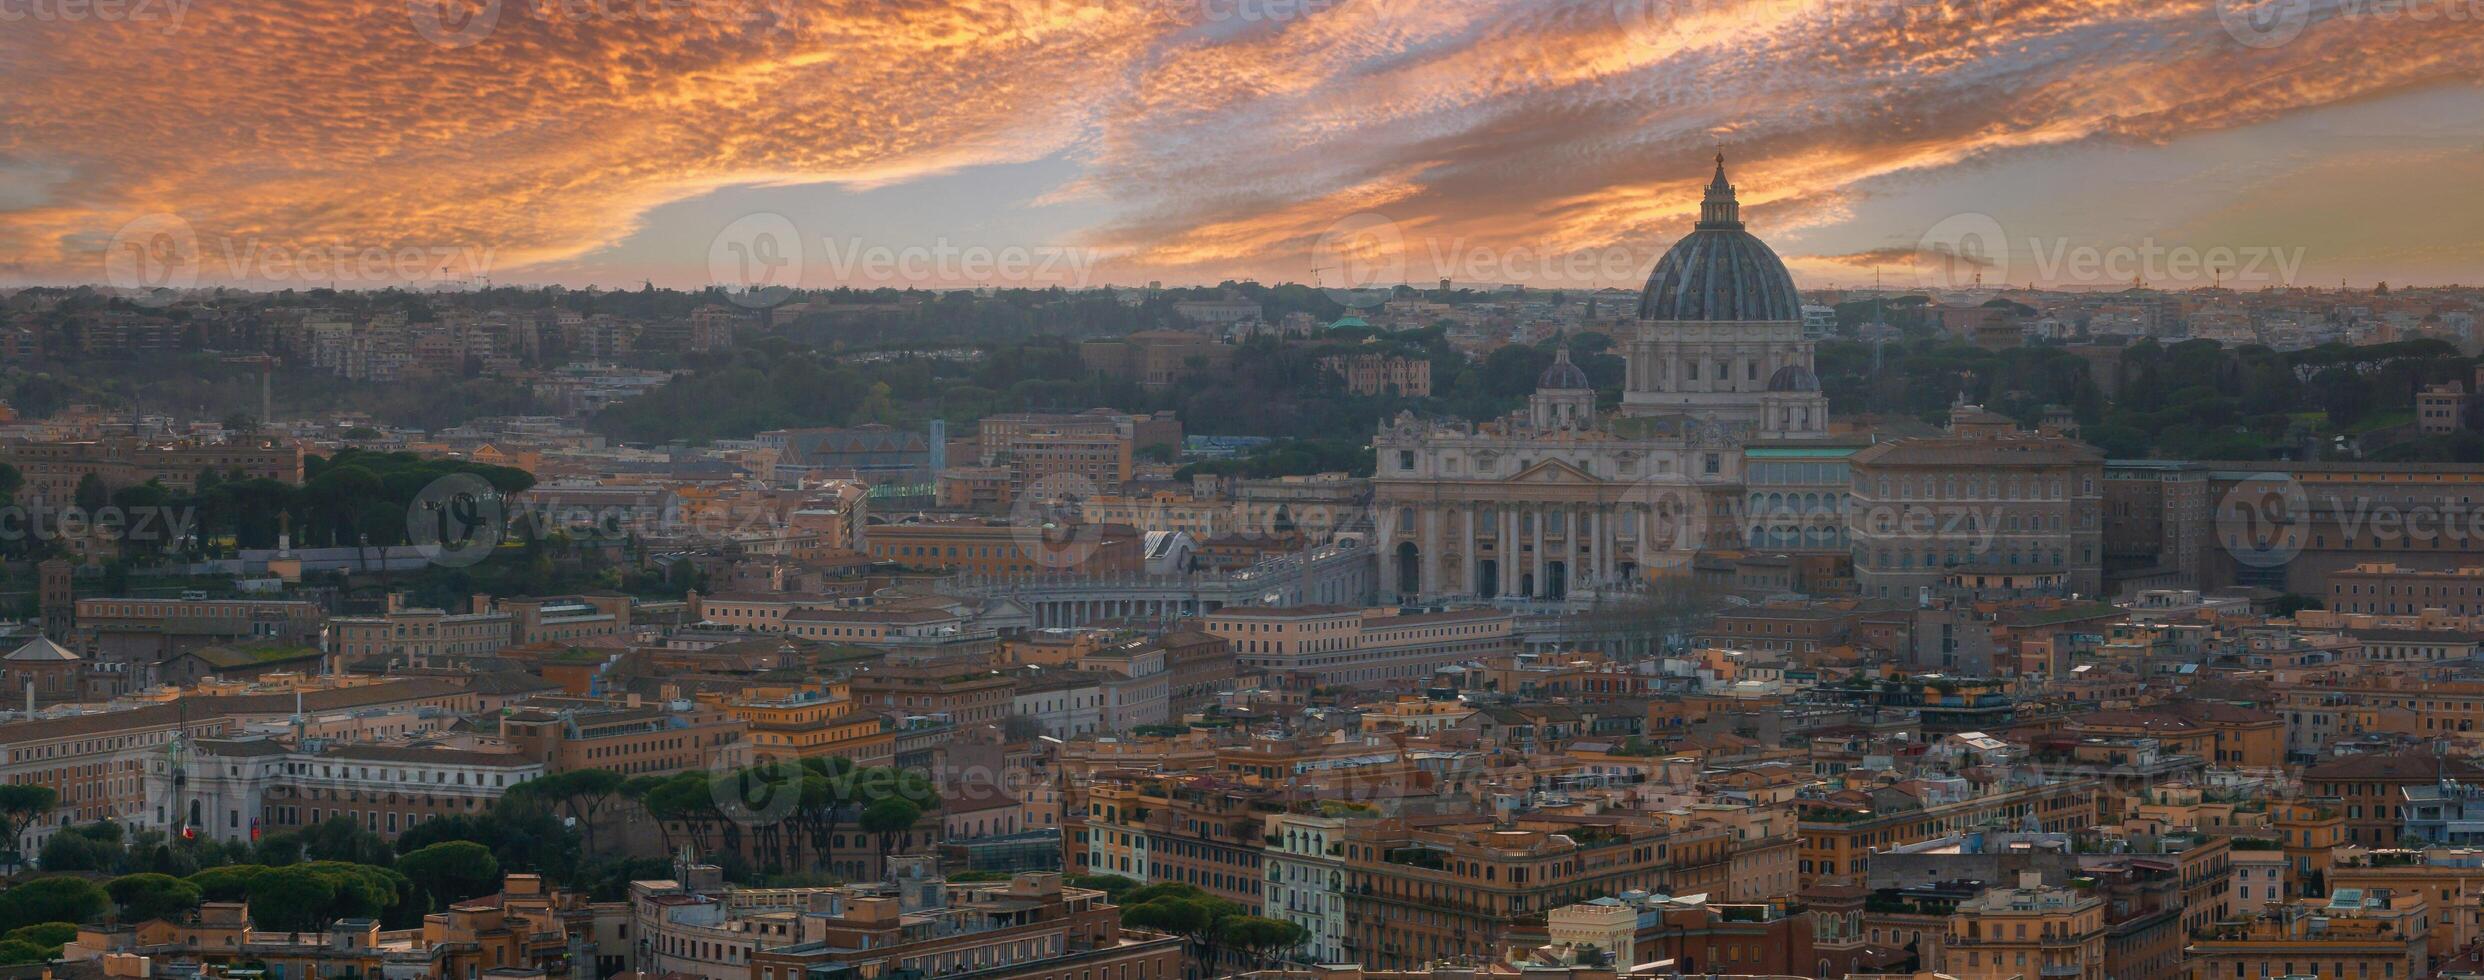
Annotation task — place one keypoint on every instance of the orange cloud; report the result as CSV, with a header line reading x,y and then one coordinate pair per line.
x,y
1224,135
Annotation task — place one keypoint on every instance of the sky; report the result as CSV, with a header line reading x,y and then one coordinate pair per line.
x,y
945,143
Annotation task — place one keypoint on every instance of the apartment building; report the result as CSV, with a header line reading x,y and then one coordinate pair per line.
x,y
1306,880
1984,508
422,637
1419,891
2384,588
566,620
1382,374
626,735
2376,934
97,762
53,470
2028,931
2372,789
820,721
526,929
981,548
1032,927
1338,646
1696,935
144,632
1839,839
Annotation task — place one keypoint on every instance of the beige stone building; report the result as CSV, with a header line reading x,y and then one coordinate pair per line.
x,y
2033,930
1985,508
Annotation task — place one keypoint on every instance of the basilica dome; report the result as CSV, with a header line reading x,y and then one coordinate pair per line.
x,y
1563,375
1793,377
1719,271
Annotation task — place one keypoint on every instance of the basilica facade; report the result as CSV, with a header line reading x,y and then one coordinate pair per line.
x,y
1560,501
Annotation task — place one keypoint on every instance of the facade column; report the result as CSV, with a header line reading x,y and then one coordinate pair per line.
x,y
1505,553
1601,542
1474,540
1431,551
1386,529
1537,566
1569,550
1647,531
1589,536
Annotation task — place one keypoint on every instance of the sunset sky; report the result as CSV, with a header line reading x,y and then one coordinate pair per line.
x,y
1557,142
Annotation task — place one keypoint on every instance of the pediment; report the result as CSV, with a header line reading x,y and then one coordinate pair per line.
x,y
1552,471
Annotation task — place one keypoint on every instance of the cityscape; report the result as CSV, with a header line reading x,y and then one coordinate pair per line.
x,y
1241,490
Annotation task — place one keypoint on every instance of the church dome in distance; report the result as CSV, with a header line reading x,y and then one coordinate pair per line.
x,y
1563,375
1793,377
1719,271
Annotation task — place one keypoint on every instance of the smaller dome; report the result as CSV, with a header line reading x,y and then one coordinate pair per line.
x,y
1563,375
1793,377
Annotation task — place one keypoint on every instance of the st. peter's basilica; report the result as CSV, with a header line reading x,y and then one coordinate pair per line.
x,y
1721,424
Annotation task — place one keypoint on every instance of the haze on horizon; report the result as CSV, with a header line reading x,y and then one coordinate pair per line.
x,y
945,143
